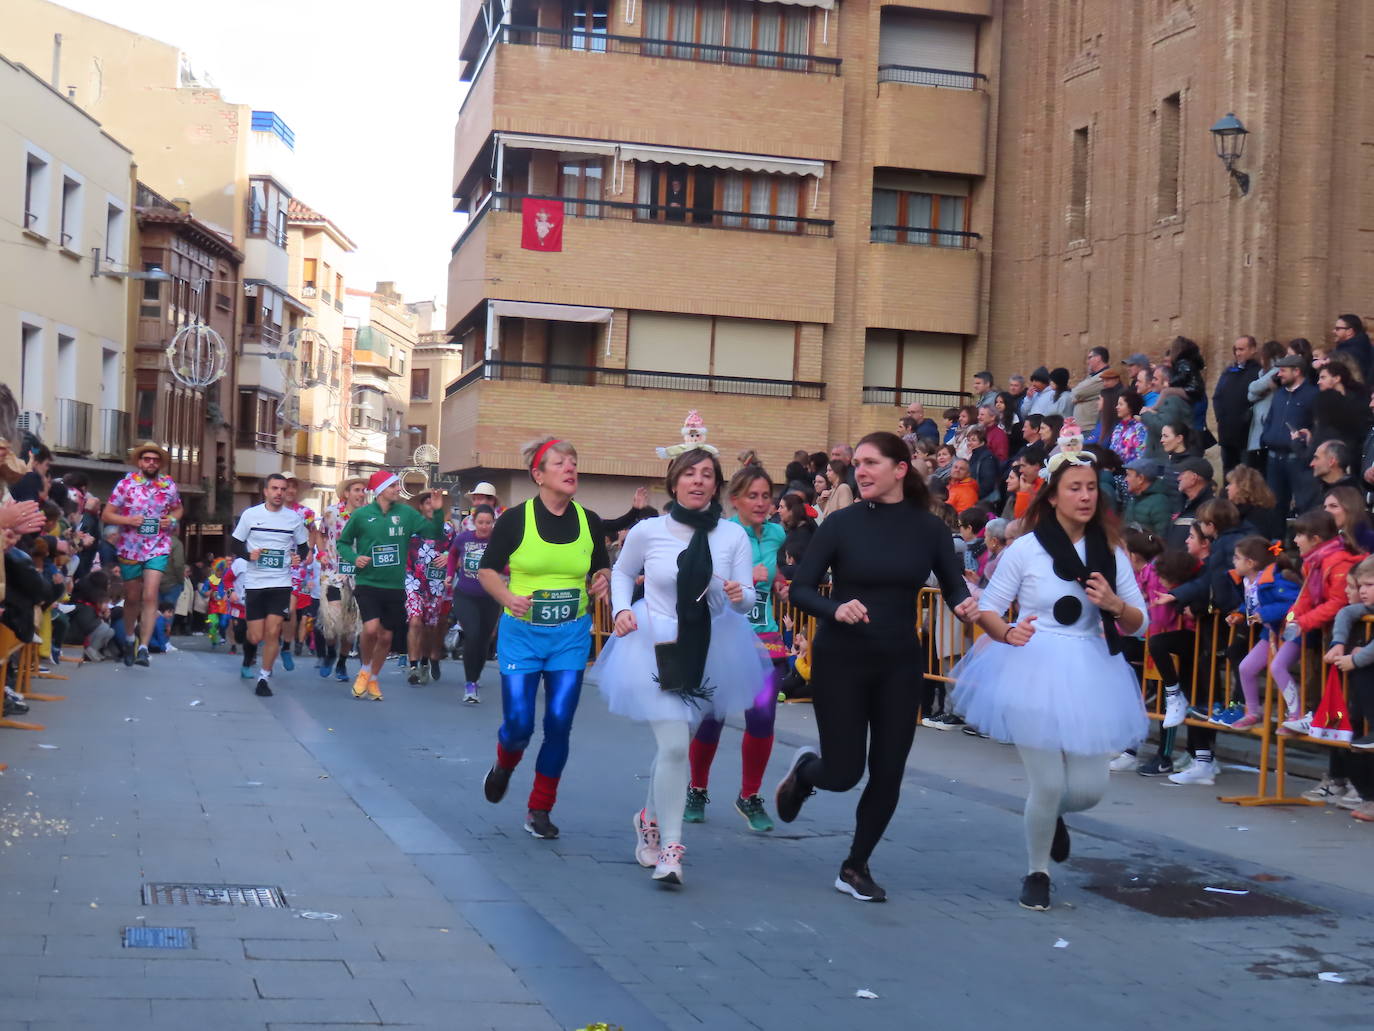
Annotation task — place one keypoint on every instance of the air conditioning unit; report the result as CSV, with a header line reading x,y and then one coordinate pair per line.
x,y
308,291
250,289
31,422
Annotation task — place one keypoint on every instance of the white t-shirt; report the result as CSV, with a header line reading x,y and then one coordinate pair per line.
x,y
277,534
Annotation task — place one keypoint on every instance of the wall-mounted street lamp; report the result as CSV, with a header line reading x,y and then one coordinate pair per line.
x,y
155,274
1229,135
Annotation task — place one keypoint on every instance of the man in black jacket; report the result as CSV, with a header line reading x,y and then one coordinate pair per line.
x,y
1231,402
1331,467
1353,342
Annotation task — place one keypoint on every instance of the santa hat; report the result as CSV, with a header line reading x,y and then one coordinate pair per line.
x,y
381,480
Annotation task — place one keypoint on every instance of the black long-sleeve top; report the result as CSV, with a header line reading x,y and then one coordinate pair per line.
x,y
881,554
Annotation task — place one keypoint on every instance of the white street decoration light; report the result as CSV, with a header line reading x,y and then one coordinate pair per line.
x,y
197,356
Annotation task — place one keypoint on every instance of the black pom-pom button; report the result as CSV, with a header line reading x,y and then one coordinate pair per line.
x,y
1068,610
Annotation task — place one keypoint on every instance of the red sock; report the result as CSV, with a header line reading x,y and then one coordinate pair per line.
x,y
544,793
505,758
754,753
700,755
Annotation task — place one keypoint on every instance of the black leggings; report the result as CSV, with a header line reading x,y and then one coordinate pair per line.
x,y
866,705
477,617
1163,648
250,650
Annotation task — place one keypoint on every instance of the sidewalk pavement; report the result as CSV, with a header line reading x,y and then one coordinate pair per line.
x,y
174,774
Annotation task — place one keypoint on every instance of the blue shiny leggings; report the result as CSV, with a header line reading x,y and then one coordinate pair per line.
x,y
562,689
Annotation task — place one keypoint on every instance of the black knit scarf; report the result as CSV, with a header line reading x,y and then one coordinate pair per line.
x,y
1068,566
682,663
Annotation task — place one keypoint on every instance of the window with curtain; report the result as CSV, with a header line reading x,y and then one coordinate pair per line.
x,y
581,180
905,216
742,24
724,199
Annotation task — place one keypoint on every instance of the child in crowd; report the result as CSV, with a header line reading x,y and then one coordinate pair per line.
x,y
963,488
160,642
1270,588
972,522
1171,647
1352,774
1143,547
1326,560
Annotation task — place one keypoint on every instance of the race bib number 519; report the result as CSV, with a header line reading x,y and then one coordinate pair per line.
x,y
550,608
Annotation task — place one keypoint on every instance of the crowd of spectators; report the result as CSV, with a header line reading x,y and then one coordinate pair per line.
x,y
1248,504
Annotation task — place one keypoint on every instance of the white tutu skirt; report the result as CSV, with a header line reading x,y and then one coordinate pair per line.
x,y
1059,691
737,665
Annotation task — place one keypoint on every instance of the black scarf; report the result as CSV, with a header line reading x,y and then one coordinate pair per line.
x,y
682,663
1068,566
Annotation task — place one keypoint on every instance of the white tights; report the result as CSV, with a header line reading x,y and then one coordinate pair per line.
x,y
1059,783
668,778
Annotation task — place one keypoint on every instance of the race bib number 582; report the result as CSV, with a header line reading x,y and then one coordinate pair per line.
x,y
386,555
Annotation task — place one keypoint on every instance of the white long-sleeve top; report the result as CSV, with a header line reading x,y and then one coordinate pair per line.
x,y
652,548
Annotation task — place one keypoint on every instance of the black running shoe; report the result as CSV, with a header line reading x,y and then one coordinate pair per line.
x,y
263,690
1059,848
856,881
791,794
1035,892
129,649
141,657
495,784
414,679
537,822
1156,767
434,670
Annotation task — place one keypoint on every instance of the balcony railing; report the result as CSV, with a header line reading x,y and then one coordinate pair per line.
x,y
710,53
598,376
262,224
267,337
71,430
945,77
622,211
925,236
255,439
903,396
114,433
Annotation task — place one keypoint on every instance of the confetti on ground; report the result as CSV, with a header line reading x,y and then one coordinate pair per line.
x,y
865,993
1331,976
1061,943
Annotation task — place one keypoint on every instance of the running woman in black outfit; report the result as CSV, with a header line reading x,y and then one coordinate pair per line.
x,y
866,659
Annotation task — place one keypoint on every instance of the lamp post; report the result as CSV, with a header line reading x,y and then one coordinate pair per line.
x,y
1229,136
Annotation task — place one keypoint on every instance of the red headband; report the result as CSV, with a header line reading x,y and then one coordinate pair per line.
x,y
539,455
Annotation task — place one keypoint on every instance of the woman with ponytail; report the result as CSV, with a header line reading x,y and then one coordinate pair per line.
x,y
867,661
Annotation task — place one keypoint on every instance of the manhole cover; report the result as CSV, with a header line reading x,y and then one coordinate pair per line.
x,y
213,895
158,938
1179,892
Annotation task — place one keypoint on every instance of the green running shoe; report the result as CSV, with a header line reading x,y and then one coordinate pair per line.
x,y
752,810
697,801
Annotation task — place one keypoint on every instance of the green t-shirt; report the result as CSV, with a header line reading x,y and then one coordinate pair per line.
x,y
384,537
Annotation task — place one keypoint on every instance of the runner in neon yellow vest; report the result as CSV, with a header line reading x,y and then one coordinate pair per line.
x,y
555,551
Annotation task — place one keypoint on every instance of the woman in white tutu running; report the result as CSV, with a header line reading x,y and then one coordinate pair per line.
x,y
1054,683
687,649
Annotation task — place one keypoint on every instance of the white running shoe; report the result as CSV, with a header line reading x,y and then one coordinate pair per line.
x,y
646,840
1124,763
1327,791
1175,708
1351,799
1200,772
1298,724
668,870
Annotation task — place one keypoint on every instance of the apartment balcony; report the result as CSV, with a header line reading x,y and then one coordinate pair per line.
x,y
748,266
114,434
264,371
557,83
497,403
256,454
70,431
932,119
928,283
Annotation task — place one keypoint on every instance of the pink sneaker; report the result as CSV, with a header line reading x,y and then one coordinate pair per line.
x,y
1246,722
668,869
646,840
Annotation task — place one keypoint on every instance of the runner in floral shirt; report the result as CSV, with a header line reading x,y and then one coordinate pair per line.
x,y
338,610
289,630
146,504
428,588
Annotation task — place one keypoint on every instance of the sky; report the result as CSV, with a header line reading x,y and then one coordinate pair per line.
x,y
371,91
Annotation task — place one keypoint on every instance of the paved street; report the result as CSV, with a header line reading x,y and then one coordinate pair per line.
x,y
450,916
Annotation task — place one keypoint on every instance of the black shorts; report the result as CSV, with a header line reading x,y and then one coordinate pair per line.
x,y
267,601
384,604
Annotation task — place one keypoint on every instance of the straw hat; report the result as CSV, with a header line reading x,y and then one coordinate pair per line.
x,y
139,449
483,488
343,487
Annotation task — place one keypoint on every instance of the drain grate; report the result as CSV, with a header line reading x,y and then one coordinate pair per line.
x,y
256,895
159,938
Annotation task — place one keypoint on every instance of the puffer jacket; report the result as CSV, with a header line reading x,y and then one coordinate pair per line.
x,y
1329,566
1276,594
